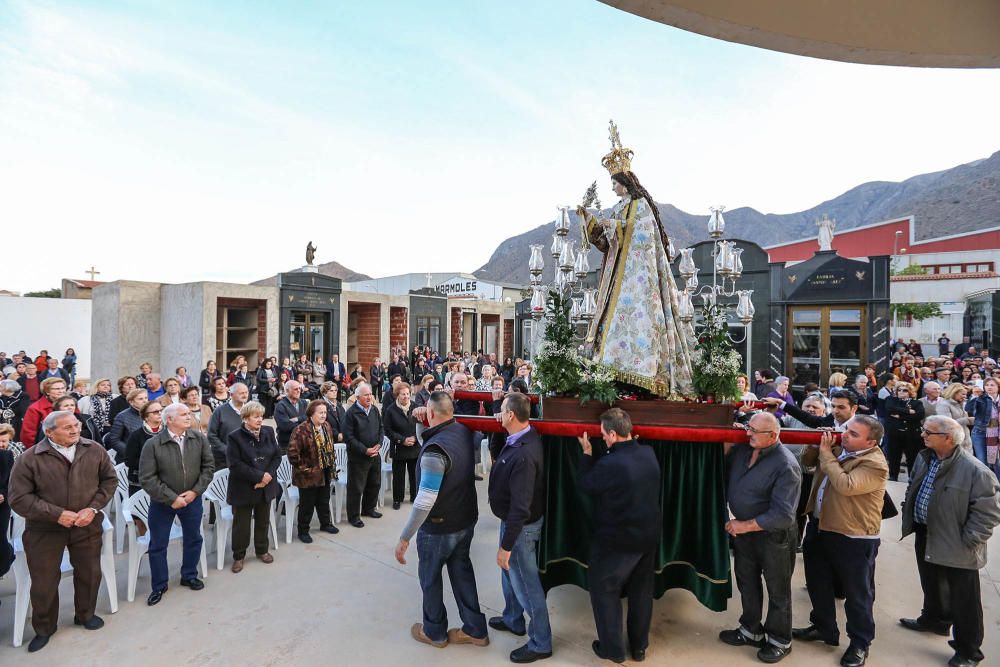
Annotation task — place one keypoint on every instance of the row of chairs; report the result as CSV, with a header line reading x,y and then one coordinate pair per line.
x,y
126,509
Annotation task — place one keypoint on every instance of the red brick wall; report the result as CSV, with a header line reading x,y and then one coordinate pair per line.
x,y
369,334
456,330
398,327
261,306
508,339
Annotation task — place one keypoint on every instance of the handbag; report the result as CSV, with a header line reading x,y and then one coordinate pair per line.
x,y
272,391
889,509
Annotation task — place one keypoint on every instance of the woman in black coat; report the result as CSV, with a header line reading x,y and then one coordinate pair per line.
x,y
208,375
903,415
152,422
253,455
6,550
401,429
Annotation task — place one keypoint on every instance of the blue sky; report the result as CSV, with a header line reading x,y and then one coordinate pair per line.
x,y
163,141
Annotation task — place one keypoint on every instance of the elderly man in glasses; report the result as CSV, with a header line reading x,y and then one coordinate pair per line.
x,y
763,487
952,506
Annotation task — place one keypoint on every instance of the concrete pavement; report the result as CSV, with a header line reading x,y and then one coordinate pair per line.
x,y
344,600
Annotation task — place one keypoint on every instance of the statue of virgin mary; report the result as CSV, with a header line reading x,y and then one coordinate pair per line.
x,y
636,331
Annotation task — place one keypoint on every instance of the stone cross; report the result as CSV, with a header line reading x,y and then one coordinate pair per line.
x,y
93,272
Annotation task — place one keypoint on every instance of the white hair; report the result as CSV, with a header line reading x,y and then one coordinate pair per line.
x,y
170,410
931,384
50,420
951,427
859,378
357,390
10,385
236,385
290,384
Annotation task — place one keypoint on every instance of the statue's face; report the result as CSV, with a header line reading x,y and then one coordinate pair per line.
x,y
618,188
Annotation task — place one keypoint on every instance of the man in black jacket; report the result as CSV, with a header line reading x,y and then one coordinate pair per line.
x,y
624,485
289,412
335,411
363,434
845,405
517,498
224,421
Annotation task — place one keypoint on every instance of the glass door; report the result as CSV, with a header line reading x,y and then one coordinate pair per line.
x,y
806,348
308,334
825,340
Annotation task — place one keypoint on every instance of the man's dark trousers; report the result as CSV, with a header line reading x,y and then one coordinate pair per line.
x,y
161,518
364,477
43,550
951,597
612,573
771,555
830,558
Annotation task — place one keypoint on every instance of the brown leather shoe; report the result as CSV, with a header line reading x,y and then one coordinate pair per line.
x,y
266,558
458,636
417,632
237,566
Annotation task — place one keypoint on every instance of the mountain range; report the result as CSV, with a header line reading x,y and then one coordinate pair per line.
x,y
332,269
961,199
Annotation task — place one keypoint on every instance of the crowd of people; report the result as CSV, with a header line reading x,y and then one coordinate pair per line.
x,y
827,501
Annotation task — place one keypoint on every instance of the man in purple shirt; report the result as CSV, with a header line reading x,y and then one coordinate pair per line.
x,y
517,498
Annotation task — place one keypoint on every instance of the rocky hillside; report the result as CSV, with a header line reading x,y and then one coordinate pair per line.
x,y
332,269
960,199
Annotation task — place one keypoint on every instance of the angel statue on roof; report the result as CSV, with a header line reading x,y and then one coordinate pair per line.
x,y
637,331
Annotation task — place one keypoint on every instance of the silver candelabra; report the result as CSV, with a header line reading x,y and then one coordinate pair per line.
x,y
726,266
571,269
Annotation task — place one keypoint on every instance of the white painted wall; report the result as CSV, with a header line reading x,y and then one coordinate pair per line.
x,y
32,324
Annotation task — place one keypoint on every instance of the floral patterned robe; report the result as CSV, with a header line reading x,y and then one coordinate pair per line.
x,y
637,332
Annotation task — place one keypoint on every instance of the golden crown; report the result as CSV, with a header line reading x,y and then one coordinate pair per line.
x,y
619,159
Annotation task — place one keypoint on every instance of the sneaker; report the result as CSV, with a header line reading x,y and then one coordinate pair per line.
x,y
737,638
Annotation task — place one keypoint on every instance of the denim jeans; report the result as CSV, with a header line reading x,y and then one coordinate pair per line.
x,y
161,519
522,589
979,449
451,550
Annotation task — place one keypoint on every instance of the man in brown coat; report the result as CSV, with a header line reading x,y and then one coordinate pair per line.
x,y
60,487
842,538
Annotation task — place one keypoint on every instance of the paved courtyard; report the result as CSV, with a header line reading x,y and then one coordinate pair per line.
x,y
344,600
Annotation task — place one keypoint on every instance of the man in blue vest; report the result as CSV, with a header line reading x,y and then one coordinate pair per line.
x,y
445,511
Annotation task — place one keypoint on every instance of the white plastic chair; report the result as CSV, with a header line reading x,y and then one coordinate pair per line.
x,y
114,456
22,578
485,461
121,495
289,497
386,482
340,485
137,507
216,495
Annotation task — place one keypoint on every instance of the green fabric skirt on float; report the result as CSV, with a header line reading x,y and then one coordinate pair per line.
x,y
694,547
